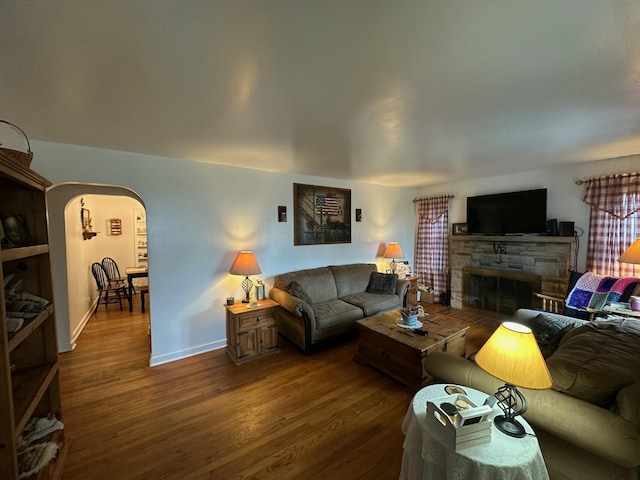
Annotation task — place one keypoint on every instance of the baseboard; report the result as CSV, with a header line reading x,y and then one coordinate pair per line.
x,y
179,355
76,333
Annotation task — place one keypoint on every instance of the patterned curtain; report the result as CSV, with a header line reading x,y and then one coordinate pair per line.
x,y
432,245
614,222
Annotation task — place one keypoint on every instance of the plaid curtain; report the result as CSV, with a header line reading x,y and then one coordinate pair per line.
x,y
432,246
614,222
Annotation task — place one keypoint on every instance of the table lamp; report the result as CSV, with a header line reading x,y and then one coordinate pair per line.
x,y
245,264
512,355
393,251
631,254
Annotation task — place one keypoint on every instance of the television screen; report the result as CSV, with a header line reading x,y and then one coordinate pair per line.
x,y
508,213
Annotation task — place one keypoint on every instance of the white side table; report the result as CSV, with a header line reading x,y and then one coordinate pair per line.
x,y
426,457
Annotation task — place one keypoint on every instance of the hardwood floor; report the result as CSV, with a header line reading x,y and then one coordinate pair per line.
x,y
284,416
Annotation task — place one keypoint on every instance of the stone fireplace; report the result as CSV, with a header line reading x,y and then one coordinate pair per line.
x,y
508,270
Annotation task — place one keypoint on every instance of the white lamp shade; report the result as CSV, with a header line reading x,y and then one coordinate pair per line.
x,y
631,254
512,355
245,264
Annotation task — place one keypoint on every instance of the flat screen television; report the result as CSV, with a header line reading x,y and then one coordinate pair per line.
x,y
512,213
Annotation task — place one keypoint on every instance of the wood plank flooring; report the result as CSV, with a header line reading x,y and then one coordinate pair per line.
x,y
286,416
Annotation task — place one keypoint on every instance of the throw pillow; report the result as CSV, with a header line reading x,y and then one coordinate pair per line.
x,y
548,332
382,283
298,291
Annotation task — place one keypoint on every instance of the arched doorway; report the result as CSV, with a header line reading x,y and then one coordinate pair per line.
x,y
72,279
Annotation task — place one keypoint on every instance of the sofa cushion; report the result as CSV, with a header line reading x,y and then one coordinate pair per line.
x,y
373,303
317,282
352,278
382,283
627,402
298,291
596,360
335,313
548,332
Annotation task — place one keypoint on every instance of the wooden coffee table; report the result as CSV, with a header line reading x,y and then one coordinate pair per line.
x,y
402,354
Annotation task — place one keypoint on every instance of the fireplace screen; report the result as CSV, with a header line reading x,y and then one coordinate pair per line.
x,y
495,291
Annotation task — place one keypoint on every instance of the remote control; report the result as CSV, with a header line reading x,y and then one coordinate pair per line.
x,y
419,331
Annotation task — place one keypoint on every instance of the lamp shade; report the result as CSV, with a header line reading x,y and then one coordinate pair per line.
x,y
512,355
393,251
631,254
245,264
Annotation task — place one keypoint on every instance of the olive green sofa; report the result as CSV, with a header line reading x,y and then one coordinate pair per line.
x,y
333,299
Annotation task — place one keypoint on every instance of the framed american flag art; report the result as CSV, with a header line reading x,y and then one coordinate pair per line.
x,y
322,215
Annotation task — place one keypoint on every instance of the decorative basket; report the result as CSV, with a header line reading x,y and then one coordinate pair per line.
x,y
22,157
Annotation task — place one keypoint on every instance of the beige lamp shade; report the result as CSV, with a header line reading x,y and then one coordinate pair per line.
x,y
512,355
245,264
393,251
631,254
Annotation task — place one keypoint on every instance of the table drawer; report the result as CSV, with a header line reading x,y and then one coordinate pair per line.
x,y
255,319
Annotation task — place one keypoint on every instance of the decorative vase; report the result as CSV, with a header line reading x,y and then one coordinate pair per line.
x,y
410,320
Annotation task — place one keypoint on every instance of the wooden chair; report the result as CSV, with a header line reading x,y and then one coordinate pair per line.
x,y
144,291
105,287
554,304
113,272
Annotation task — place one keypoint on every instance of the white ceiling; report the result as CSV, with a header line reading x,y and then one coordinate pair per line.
x,y
392,92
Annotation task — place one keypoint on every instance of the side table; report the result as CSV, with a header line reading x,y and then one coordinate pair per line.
x,y
427,457
622,312
252,332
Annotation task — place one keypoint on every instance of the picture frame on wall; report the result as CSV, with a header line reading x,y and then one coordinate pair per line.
x,y
460,229
322,215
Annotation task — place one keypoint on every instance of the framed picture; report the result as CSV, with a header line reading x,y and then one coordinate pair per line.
x,y
85,218
115,226
358,214
460,229
322,215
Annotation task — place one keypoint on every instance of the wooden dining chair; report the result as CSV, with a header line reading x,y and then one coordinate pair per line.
x,y
105,287
113,272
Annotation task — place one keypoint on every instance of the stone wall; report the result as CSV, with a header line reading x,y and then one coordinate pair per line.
x,y
549,257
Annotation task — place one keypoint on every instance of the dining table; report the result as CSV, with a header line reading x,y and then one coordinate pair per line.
x,y
134,272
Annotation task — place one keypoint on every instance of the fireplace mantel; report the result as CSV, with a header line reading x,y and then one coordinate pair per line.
x,y
512,238
547,256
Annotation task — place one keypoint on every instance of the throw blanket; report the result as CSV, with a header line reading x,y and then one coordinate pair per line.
x,y
595,291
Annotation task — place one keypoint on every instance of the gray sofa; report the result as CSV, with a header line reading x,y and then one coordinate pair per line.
x,y
588,424
331,299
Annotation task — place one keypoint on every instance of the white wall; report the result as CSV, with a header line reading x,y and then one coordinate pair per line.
x,y
198,217
564,200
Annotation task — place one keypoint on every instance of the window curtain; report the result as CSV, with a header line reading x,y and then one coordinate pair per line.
x,y
432,245
614,222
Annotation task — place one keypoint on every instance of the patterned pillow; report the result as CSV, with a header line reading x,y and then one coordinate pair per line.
x,y
298,291
548,332
382,283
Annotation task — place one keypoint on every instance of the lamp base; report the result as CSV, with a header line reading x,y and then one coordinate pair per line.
x,y
247,284
509,426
